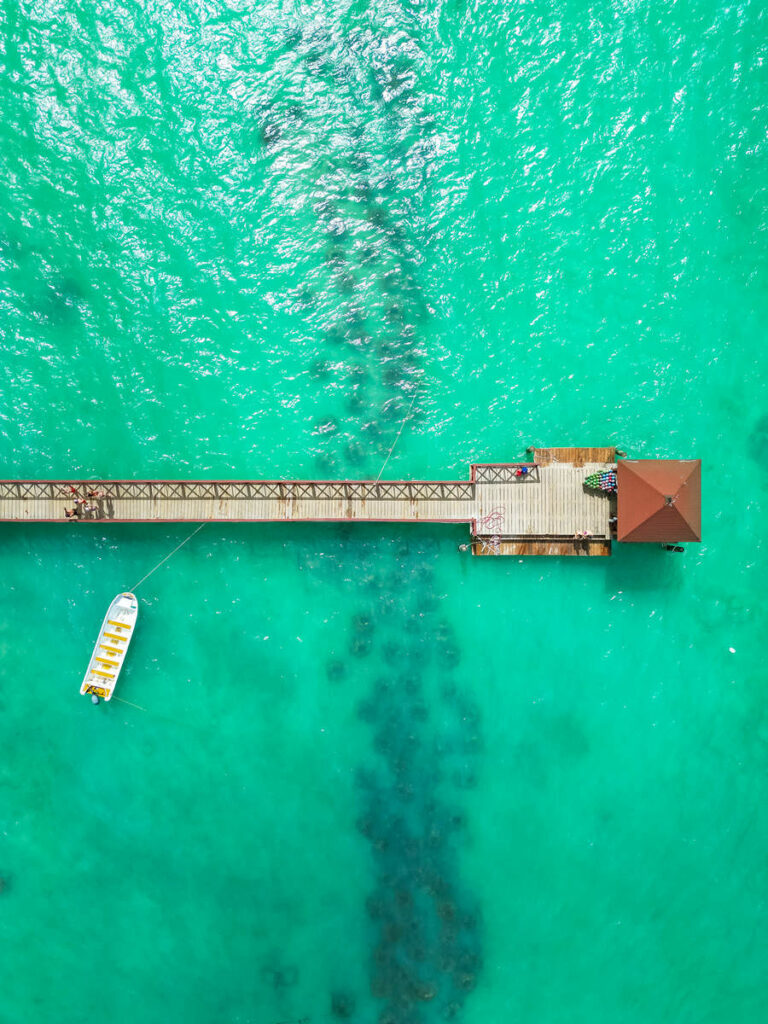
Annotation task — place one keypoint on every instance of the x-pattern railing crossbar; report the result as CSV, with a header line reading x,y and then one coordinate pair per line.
x,y
506,474
296,490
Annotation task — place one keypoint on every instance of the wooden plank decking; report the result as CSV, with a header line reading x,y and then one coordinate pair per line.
x,y
535,513
552,502
574,456
581,548
241,500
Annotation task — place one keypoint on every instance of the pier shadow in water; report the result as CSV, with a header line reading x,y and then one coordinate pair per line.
x,y
645,567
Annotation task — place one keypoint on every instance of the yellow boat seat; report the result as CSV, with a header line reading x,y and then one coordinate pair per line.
x,y
106,661
114,636
105,675
111,650
122,625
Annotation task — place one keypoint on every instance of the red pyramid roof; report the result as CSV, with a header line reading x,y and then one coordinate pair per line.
x,y
659,500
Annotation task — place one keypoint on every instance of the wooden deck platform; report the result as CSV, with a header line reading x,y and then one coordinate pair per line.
x,y
573,456
537,512
550,502
569,546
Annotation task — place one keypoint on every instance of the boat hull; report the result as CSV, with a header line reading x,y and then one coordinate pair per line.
x,y
111,646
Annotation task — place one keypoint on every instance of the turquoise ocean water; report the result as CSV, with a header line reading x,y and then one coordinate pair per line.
x,y
368,778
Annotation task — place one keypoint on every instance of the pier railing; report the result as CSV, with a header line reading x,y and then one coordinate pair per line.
x,y
249,490
543,501
504,472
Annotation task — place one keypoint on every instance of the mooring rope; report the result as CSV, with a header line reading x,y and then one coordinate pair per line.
x,y
130,705
163,560
397,438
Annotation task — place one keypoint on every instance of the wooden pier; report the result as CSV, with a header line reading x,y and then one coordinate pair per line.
x,y
509,513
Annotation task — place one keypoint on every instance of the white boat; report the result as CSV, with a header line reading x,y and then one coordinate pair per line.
x,y
109,653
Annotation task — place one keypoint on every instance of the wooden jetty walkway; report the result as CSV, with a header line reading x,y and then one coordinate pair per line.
x,y
537,512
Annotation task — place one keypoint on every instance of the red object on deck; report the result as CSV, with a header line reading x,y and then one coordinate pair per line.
x,y
659,500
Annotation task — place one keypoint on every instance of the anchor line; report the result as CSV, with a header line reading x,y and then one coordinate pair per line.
x,y
397,438
163,560
130,705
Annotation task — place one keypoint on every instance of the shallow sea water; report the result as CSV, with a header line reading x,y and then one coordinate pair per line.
x,y
368,778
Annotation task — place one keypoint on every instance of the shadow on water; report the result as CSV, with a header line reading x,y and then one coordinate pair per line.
x,y
642,567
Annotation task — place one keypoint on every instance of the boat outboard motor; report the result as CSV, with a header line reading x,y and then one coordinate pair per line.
x,y
94,699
